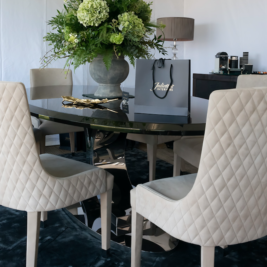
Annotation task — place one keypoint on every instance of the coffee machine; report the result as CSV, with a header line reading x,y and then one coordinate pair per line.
x,y
221,62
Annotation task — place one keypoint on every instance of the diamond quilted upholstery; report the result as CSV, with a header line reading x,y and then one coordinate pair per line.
x,y
190,148
228,202
24,184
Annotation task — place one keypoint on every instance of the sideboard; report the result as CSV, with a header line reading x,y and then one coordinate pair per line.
x,y
205,84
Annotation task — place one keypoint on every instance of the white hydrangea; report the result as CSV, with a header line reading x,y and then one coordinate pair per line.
x,y
132,26
92,12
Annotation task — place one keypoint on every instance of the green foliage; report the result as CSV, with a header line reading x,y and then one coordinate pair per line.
x,y
142,9
107,57
116,38
86,29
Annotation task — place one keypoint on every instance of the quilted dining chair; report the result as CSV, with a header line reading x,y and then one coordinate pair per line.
x,y
36,184
225,202
42,78
189,148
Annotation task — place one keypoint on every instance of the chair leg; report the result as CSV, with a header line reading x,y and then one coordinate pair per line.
x,y
207,256
106,201
148,159
42,145
38,145
72,142
177,159
33,229
152,156
44,216
177,165
44,219
137,236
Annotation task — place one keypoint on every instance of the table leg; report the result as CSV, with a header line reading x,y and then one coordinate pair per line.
x,y
106,150
152,156
89,142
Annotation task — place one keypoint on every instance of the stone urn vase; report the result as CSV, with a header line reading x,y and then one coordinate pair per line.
x,y
109,80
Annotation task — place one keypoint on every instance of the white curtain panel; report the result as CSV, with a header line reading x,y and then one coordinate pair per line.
x,y
22,30
23,24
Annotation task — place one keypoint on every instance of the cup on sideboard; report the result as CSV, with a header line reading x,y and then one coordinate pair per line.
x,y
248,68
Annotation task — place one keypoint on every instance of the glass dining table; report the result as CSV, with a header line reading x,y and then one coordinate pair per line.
x,y
105,129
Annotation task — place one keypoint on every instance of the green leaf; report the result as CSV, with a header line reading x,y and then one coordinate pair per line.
x,y
67,62
107,58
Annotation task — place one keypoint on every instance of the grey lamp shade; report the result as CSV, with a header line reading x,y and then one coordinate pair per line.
x,y
179,28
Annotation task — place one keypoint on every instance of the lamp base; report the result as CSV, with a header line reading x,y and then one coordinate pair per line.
x,y
174,50
174,56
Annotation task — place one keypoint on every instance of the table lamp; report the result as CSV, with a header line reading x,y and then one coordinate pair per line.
x,y
177,29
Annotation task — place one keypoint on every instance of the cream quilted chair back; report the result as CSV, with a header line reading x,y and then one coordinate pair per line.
x,y
18,153
24,184
228,202
50,83
48,77
251,81
230,192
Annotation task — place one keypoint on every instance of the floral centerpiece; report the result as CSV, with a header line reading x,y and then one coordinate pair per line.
x,y
102,31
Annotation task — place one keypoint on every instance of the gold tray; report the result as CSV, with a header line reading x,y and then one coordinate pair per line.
x,y
77,103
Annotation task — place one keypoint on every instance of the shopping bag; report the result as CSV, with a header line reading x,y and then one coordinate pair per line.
x,y
163,88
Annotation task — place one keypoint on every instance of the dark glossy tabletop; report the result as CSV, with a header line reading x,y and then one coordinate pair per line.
x,y
46,103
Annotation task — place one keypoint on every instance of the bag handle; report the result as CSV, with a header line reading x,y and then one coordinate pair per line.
x,y
161,64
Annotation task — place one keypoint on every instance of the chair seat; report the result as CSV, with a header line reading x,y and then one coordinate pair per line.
x,y
63,167
189,149
60,167
174,188
146,139
50,127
